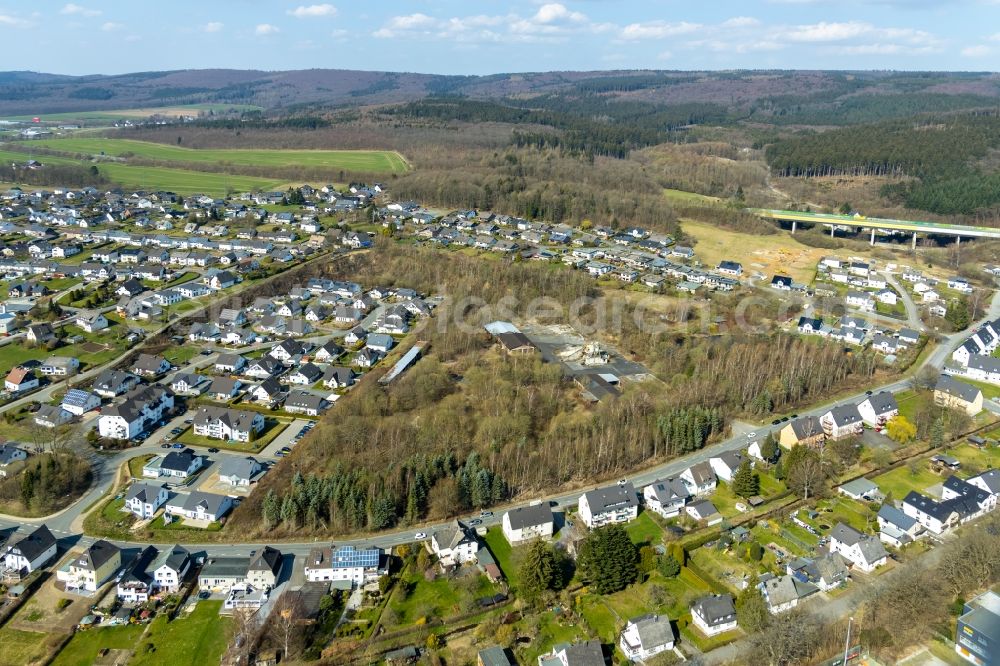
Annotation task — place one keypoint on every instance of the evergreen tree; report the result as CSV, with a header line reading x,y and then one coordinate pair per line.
x,y
937,432
769,448
539,571
607,559
752,613
669,566
745,482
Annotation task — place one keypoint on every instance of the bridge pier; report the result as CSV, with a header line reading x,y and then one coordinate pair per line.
x,y
833,228
873,237
793,226
958,241
914,240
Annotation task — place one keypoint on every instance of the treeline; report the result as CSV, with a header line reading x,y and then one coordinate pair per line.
x,y
590,124
860,109
940,153
543,185
605,84
927,148
47,482
65,175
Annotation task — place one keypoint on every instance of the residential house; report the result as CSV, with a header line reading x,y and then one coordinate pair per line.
x,y
149,365
783,593
306,374
304,402
139,408
825,572
40,334
700,478
240,472
228,424
714,614
265,568
328,352
896,528
863,551
359,566
224,389
264,367
95,566
189,384
646,636
877,409
222,574
726,463
91,322
143,499
20,380
666,497
454,544
587,653
268,392
338,377
949,392
170,568
10,454
177,464
862,490
379,342
30,552
113,383
198,505
611,504
230,363
528,522
805,431
60,366
135,585
977,632
861,300
842,421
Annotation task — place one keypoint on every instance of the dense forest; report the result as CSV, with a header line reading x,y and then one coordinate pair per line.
x,y
940,152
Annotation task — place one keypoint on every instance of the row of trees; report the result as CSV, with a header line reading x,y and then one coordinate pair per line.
x,y
48,481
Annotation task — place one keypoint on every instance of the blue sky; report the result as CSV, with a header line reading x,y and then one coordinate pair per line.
x,y
486,36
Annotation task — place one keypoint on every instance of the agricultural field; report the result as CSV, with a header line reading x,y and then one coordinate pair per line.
x,y
184,181
373,161
196,639
132,114
770,255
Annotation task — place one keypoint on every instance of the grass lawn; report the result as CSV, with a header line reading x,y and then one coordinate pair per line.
x,y
599,616
548,629
425,599
976,460
272,427
22,647
707,643
184,181
136,464
644,530
901,480
910,402
84,647
503,554
180,354
724,566
198,639
990,391
841,509
375,161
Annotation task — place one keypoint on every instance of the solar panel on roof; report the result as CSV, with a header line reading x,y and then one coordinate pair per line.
x,y
349,556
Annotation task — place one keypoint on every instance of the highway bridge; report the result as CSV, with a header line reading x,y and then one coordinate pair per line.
x,y
858,221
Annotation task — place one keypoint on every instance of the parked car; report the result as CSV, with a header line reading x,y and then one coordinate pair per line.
x,y
419,536
178,445
213,450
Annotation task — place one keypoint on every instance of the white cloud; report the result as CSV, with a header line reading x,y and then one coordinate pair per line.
x,y
740,22
212,26
266,29
111,26
829,32
555,12
12,21
313,11
977,51
995,38
76,10
658,29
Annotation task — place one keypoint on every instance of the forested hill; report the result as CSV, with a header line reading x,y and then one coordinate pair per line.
x,y
943,153
777,97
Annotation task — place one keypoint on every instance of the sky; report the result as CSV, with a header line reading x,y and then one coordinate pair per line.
x,y
487,36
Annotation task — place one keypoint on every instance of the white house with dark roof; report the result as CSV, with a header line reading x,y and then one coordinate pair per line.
x,y
842,421
896,528
143,500
645,637
359,566
528,522
78,402
228,424
863,551
454,544
198,505
877,409
240,472
666,497
726,463
611,504
714,614
983,368
699,478
949,392
783,593
29,552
